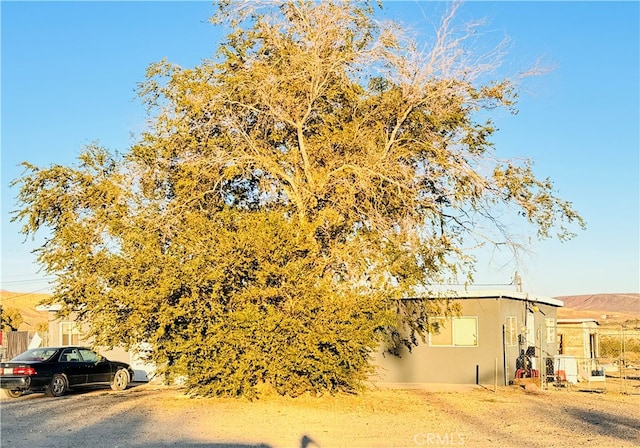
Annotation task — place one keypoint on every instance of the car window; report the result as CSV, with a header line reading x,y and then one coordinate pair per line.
x,y
70,355
36,354
89,355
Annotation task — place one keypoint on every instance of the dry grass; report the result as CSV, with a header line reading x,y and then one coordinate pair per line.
x,y
406,418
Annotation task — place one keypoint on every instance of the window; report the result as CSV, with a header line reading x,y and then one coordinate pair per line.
x,y
443,332
70,355
551,330
89,355
70,333
510,330
36,354
455,332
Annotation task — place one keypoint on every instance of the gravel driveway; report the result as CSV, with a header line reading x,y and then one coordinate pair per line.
x,y
157,416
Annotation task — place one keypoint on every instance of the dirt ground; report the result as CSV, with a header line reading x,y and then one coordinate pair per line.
x,y
152,415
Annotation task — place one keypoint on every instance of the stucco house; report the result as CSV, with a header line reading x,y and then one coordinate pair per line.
x,y
70,332
499,336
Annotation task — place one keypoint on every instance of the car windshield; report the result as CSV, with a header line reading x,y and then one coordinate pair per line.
x,y
36,354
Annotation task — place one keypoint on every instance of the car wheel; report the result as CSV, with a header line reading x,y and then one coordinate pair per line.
x,y
12,393
120,380
57,387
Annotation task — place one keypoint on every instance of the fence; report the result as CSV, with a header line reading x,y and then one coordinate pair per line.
x,y
595,358
14,343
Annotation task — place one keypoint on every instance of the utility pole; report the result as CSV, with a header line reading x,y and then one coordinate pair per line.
x,y
517,281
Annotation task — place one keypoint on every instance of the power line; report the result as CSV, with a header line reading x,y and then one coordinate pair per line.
x,y
33,280
26,293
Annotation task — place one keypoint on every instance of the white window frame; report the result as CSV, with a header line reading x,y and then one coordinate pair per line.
x,y
550,324
69,329
511,331
451,321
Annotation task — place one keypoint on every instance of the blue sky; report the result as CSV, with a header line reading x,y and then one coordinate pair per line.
x,y
69,70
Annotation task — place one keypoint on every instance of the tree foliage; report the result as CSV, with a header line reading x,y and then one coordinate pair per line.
x,y
10,319
286,194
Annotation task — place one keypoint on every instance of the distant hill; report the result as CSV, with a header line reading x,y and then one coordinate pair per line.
x,y
25,303
616,307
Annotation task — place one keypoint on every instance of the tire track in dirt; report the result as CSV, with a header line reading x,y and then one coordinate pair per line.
x,y
509,419
480,421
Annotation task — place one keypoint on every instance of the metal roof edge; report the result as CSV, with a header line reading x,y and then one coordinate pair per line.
x,y
497,294
577,320
56,307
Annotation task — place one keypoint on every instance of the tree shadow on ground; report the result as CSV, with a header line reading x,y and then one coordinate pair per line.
x,y
305,442
183,444
606,424
100,418
94,420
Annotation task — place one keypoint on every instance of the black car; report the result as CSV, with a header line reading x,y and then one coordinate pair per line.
x,y
54,370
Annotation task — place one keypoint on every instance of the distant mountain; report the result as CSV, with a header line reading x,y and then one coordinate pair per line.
x,y
618,307
26,304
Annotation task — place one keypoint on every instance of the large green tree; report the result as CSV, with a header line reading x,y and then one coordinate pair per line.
x,y
286,195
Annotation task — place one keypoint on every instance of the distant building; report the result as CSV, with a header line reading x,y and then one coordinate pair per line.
x,y
579,338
